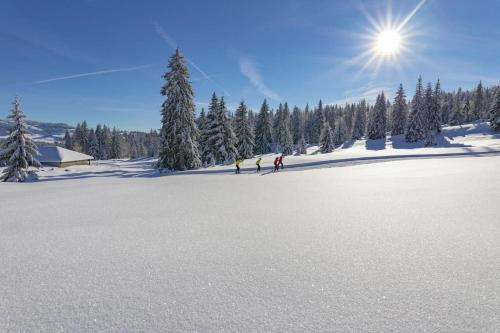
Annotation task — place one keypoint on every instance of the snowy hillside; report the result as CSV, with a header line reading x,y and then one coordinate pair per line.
x,y
411,244
42,131
402,246
455,141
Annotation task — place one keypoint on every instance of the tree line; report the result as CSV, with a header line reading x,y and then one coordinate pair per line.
x,y
220,137
104,143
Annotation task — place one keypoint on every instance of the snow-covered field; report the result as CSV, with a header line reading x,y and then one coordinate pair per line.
x,y
408,245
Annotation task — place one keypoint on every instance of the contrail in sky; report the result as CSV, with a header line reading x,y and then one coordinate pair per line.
x,y
173,45
106,71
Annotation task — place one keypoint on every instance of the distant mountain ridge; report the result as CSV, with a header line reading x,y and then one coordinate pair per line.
x,y
42,131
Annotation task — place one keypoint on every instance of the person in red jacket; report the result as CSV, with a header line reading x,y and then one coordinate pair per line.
x,y
281,160
276,164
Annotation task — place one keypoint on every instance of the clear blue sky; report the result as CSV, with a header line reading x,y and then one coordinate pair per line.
x,y
295,51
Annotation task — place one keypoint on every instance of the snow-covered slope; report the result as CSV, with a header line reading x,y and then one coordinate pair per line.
x,y
408,245
42,131
456,141
393,247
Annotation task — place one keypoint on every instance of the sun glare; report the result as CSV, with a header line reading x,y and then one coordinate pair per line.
x,y
388,42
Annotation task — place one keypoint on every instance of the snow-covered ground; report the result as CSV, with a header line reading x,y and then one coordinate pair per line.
x,y
456,141
408,245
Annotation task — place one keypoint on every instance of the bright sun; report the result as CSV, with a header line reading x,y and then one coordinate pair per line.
x,y
388,42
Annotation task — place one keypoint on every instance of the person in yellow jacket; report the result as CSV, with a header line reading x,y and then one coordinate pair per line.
x,y
238,162
258,163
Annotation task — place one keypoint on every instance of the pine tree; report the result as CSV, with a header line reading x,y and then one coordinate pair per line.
x,y
301,146
201,120
377,121
19,152
244,132
179,149
434,120
467,109
207,151
477,108
340,133
93,149
359,124
416,125
116,145
221,139
80,139
284,135
399,113
327,141
297,125
263,135
456,116
318,118
68,140
429,115
495,112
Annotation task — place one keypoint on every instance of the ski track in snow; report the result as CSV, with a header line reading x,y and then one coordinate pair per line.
x,y
410,245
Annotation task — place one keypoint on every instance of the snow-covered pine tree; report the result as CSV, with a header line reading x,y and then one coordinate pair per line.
x,y
445,109
201,120
263,135
456,116
179,149
244,132
359,124
301,146
221,138
495,112
467,109
327,140
68,140
297,125
102,142
349,119
207,151
19,152
116,145
416,124
340,132
429,109
93,144
399,112
435,111
80,138
285,139
377,122
477,105
277,120
105,142
318,118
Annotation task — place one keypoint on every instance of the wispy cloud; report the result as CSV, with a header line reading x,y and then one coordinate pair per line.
x,y
106,71
250,70
369,95
173,45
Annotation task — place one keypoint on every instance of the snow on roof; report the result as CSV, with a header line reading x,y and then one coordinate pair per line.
x,y
59,154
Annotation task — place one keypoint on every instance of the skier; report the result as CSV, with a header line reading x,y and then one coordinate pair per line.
x,y
276,164
281,160
258,163
238,162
